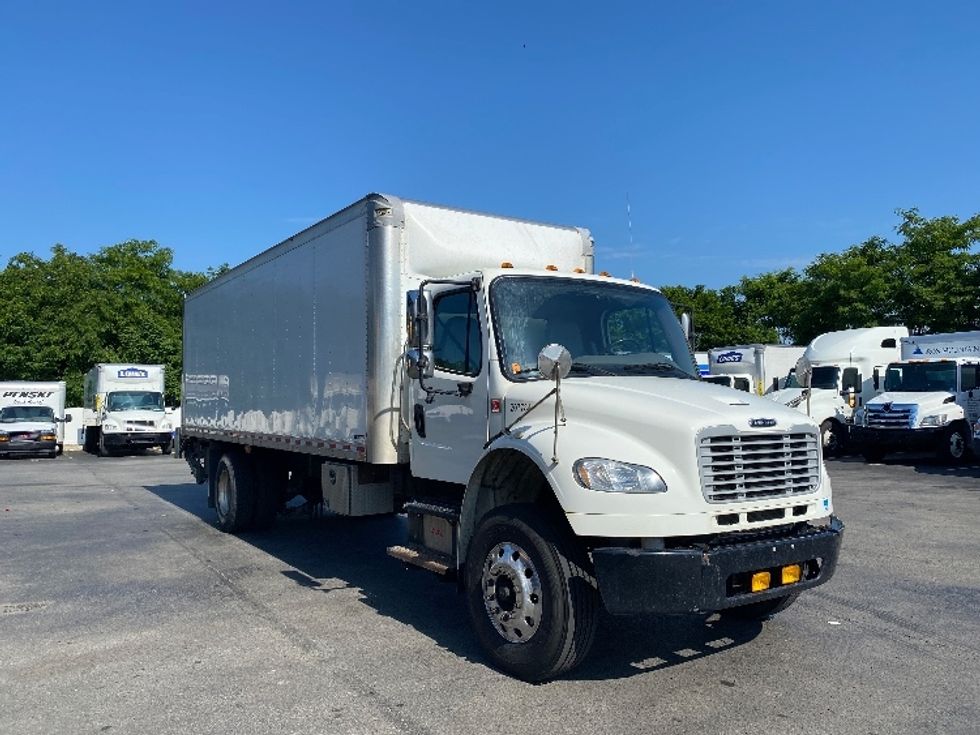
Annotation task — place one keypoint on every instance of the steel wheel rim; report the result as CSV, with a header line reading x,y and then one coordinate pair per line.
x,y
956,445
511,589
223,499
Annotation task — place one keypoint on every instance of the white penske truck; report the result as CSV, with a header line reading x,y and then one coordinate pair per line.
x,y
32,418
124,409
931,400
838,372
542,427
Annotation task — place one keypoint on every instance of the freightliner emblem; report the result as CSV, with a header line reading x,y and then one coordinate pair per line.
x,y
759,423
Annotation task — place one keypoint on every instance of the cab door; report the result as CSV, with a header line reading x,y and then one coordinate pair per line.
x,y
449,409
969,392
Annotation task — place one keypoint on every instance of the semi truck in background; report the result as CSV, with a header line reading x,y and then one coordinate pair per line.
x,y
541,426
838,372
124,409
760,369
32,418
931,399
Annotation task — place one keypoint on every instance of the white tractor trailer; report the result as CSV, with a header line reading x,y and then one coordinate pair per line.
x,y
542,427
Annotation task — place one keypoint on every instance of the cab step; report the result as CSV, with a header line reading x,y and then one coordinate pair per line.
x,y
420,556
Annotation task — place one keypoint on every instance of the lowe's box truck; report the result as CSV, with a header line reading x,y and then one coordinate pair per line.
x,y
931,399
32,418
543,428
124,409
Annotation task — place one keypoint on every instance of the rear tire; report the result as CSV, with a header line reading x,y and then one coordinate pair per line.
x,y
234,493
759,610
531,594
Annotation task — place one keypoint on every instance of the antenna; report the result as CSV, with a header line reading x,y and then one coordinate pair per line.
x,y
629,229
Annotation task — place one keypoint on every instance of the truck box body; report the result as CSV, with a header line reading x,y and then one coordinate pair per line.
x,y
765,365
300,344
124,408
953,344
31,412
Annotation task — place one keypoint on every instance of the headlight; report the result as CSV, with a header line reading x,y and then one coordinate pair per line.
x,y
49,437
609,476
940,419
4,436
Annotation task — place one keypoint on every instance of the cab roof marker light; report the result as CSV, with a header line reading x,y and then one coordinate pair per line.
x,y
506,264
604,274
579,269
551,267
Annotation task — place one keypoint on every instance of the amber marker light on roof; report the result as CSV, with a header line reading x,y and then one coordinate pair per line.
x,y
604,274
506,264
578,270
551,267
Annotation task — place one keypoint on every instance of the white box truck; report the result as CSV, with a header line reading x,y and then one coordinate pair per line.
x,y
931,399
760,369
124,409
32,418
542,427
841,371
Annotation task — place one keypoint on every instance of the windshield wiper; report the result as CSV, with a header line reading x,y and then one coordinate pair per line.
x,y
589,369
656,367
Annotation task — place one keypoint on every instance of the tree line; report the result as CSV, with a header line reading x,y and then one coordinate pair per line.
x,y
124,303
927,280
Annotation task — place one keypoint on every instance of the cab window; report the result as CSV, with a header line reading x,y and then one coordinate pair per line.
x,y
456,343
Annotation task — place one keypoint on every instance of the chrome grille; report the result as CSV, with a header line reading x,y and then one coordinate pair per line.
x,y
140,423
896,417
758,466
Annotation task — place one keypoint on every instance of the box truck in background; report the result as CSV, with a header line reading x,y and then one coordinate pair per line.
x,y
838,370
763,367
32,418
543,428
931,399
124,409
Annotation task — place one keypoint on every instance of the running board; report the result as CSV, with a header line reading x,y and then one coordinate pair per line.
x,y
419,556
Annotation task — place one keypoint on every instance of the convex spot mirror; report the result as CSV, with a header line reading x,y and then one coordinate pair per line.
x,y
554,362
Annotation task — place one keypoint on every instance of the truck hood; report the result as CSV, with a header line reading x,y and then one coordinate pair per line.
x,y
785,395
671,403
924,400
31,426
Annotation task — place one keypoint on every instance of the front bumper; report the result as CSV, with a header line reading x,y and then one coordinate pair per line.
x,y
898,438
27,447
136,438
704,578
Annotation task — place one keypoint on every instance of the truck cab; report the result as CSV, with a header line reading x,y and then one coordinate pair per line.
x,y
32,418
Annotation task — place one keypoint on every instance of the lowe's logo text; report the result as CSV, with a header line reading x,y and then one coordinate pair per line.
x,y
729,357
133,373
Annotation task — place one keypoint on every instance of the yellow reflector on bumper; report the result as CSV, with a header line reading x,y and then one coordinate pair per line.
x,y
761,581
792,573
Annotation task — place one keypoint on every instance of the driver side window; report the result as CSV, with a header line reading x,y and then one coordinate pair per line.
x,y
456,343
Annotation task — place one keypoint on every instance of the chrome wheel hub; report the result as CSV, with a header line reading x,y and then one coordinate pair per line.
x,y
512,592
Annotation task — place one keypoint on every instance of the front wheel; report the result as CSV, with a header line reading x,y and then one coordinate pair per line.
x,y
833,437
954,445
531,594
760,610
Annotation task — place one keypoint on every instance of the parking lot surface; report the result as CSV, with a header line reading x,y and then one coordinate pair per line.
x,y
123,610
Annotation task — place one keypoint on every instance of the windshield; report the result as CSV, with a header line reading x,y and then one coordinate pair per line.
x,y
136,400
11,414
609,328
922,377
825,378
791,381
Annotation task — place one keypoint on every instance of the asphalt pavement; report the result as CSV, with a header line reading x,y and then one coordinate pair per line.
x,y
124,610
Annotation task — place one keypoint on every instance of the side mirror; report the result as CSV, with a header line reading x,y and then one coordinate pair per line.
x,y
418,364
67,418
554,362
687,324
417,318
876,379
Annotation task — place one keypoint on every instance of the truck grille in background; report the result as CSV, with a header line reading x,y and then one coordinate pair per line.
x,y
899,417
758,466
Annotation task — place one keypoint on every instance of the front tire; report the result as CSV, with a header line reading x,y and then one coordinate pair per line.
x,y
833,437
531,594
954,445
759,610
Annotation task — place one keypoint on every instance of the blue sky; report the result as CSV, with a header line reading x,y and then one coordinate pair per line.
x,y
748,136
